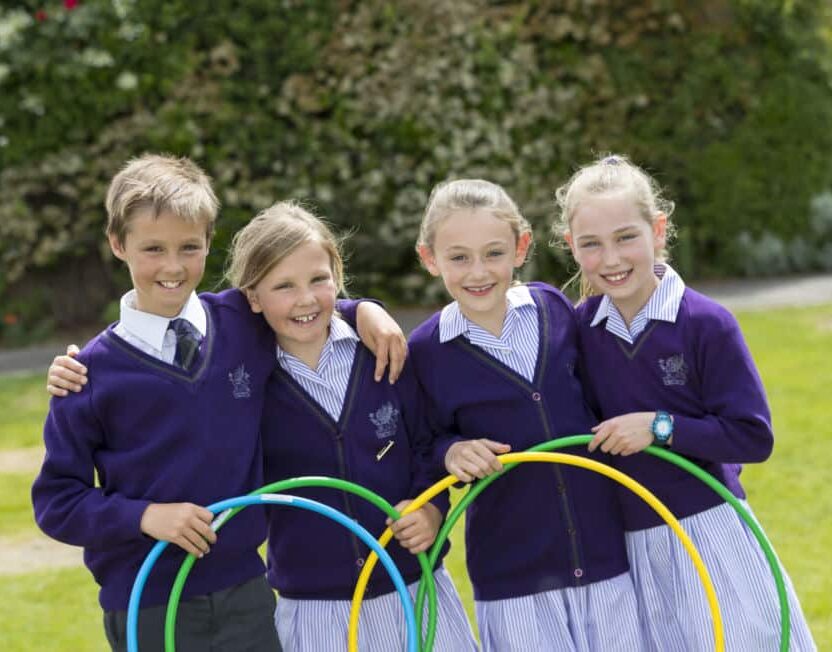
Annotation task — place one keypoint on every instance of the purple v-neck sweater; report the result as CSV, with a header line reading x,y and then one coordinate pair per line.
x,y
153,433
311,557
699,370
542,526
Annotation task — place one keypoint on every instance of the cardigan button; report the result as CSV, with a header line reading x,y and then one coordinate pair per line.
x,y
536,396
579,572
359,562
561,488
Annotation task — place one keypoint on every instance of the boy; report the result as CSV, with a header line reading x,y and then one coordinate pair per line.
x,y
169,421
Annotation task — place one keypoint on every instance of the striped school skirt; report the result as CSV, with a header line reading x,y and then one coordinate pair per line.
x,y
599,617
322,625
673,611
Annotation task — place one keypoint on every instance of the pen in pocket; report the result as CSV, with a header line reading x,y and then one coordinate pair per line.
x,y
383,451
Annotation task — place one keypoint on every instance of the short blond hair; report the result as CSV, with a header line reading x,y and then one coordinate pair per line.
x,y
272,235
469,194
160,184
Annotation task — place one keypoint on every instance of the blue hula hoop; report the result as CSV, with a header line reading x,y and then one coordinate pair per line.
x,y
289,501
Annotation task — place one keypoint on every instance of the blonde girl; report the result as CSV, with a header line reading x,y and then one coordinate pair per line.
x,y
668,366
326,415
545,544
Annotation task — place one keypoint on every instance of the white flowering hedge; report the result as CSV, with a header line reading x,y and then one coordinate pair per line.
x,y
361,106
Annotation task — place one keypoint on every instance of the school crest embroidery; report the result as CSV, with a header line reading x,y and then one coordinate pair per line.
x,y
240,382
675,370
385,419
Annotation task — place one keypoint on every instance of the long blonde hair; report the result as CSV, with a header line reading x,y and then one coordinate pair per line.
x,y
610,175
271,236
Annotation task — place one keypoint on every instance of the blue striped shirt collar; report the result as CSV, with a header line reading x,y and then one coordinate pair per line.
x,y
339,330
151,328
663,305
452,323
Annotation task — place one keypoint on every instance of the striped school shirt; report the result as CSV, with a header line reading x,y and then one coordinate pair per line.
x,y
517,345
663,305
328,383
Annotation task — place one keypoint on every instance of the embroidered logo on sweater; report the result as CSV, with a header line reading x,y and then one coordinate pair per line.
x,y
675,370
385,420
240,382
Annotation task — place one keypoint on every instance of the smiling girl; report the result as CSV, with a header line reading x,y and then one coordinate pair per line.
x,y
326,415
668,366
545,543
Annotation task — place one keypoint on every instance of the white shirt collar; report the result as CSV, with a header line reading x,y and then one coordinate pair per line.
x,y
662,305
151,328
452,323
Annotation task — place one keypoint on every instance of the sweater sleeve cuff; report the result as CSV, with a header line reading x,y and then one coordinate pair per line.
x,y
132,511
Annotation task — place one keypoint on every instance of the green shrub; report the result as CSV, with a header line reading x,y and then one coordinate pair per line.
x,y
360,107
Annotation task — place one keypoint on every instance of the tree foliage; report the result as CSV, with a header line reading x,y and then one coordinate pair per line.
x,y
360,107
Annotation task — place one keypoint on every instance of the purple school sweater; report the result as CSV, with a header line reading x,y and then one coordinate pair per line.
x,y
153,433
311,557
699,370
542,526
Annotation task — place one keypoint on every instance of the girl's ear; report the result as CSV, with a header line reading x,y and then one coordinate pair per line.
x,y
116,247
660,231
523,244
428,259
253,303
568,237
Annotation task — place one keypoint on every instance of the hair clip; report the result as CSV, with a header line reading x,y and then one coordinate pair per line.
x,y
612,160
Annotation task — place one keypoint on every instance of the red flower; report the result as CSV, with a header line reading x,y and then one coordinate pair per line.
x,y
40,15
69,5
10,319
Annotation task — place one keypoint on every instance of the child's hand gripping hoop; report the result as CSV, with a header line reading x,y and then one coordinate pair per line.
x,y
668,456
664,454
299,483
290,501
531,456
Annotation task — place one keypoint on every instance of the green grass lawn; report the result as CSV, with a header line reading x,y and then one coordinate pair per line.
x,y
58,611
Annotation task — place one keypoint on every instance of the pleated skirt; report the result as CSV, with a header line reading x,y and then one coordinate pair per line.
x,y
322,625
673,610
601,616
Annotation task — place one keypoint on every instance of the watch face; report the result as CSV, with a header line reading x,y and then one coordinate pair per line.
x,y
663,428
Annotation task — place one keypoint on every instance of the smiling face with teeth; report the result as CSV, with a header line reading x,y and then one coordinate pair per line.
x,y
166,258
476,253
616,248
297,298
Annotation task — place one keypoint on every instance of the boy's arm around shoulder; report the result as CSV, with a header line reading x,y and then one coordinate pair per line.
x,y
67,504
737,424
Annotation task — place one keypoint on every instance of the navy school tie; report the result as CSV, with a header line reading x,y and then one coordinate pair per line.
x,y
187,342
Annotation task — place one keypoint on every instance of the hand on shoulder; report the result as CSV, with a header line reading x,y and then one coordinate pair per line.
x,y
66,374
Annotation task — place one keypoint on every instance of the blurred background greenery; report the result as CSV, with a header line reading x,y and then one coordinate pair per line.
x,y
360,107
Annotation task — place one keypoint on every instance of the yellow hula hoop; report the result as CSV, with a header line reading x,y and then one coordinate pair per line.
x,y
560,458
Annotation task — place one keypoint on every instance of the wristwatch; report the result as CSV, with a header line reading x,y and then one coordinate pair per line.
x,y
662,427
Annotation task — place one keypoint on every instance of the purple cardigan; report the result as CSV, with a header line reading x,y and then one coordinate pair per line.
x,y
152,432
542,526
699,370
311,557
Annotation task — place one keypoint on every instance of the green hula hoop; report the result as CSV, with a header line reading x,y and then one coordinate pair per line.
x,y
425,584
577,440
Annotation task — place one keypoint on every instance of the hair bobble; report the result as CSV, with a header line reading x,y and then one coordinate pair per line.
x,y
612,160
